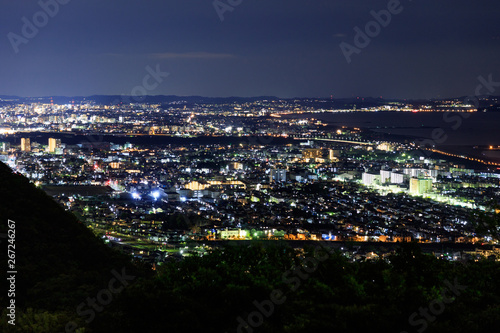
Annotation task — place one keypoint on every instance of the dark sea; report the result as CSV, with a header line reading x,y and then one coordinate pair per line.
x,y
463,133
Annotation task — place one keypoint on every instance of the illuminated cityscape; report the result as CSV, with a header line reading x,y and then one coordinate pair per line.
x,y
130,172
250,166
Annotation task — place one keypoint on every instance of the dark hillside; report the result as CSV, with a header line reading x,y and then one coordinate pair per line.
x,y
59,262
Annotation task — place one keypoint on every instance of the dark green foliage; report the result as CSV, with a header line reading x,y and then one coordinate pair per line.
x,y
210,293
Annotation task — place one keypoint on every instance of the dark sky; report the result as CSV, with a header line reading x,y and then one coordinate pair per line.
x,y
285,48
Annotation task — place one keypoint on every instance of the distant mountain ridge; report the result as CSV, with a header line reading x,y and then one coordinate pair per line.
x,y
116,99
489,103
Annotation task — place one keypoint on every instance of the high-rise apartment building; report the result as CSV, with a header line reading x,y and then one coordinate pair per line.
x,y
25,144
419,186
54,144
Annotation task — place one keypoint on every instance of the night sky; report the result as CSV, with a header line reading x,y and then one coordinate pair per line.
x,y
284,48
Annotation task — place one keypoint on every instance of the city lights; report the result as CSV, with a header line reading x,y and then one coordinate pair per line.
x,y
155,194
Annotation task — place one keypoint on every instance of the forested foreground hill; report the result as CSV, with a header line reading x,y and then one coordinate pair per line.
x,y
59,262
68,280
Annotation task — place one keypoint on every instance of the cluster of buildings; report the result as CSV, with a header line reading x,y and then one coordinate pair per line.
x,y
302,180
53,146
